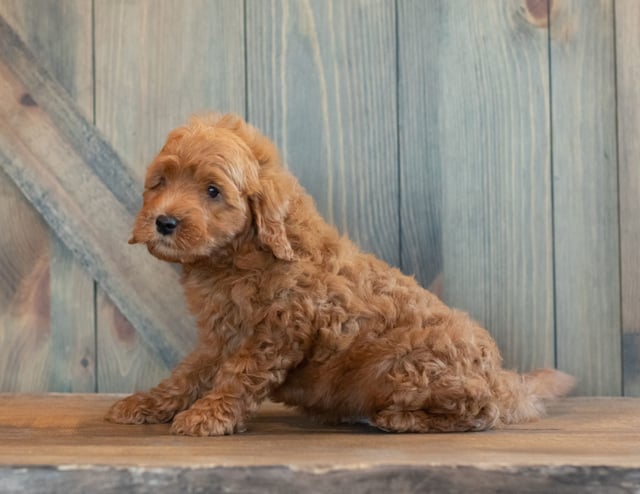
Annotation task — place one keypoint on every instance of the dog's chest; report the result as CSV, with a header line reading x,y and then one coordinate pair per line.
x,y
239,299
208,297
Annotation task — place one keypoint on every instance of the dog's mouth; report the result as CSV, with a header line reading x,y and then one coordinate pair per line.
x,y
165,250
163,241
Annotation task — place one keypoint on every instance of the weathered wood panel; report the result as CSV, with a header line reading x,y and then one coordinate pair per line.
x,y
40,125
583,446
475,151
24,293
126,361
627,30
321,82
166,60
420,163
420,88
436,477
585,194
59,33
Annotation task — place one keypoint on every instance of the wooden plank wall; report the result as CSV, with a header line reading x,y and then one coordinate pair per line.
x,y
307,64
585,190
46,299
627,20
482,128
473,144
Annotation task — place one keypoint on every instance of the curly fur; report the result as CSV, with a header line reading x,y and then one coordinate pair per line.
x,y
290,310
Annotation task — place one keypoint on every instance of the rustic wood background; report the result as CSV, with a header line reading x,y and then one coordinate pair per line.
x,y
489,147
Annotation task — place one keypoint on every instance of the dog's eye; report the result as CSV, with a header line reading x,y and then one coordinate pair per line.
x,y
213,191
157,183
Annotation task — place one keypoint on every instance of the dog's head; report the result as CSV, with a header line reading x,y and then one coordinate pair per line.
x,y
215,180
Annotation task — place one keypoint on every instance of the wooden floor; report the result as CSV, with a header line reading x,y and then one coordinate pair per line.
x,y
60,443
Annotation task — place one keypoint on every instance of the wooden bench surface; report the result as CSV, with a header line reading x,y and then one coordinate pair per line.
x,y
66,434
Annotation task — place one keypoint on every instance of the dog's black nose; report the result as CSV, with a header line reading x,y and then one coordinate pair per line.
x,y
166,225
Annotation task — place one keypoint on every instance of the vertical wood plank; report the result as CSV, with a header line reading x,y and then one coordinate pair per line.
x,y
585,194
475,164
420,33
24,293
321,83
627,30
50,321
157,62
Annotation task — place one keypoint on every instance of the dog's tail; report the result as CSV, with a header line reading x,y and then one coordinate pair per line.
x,y
522,395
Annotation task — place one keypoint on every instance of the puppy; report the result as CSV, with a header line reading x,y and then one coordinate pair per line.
x,y
290,310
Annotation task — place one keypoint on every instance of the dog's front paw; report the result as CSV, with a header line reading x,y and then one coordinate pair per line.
x,y
204,422
140,408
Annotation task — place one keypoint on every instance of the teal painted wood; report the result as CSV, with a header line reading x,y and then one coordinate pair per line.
x,y
627,17
72,358
585,194
156,64
321,81
475,151
55,337
163,61
420,87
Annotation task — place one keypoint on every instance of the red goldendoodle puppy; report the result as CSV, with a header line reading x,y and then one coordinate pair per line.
x,y
290,310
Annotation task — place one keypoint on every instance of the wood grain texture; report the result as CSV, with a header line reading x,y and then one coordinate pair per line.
x,y
576,432
127,363
538,479
420,86
39,126
584,445
585,194
475,151
59,33
627,18
24,293
69,198
321,82
166,60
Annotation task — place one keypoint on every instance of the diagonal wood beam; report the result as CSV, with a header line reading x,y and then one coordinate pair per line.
x,y
86,194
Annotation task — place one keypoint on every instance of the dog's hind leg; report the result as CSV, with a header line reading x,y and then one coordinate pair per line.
x,y
428,394
397,420
191,379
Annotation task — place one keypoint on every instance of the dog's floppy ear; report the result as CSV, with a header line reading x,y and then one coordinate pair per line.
x,y
269,206
269,192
